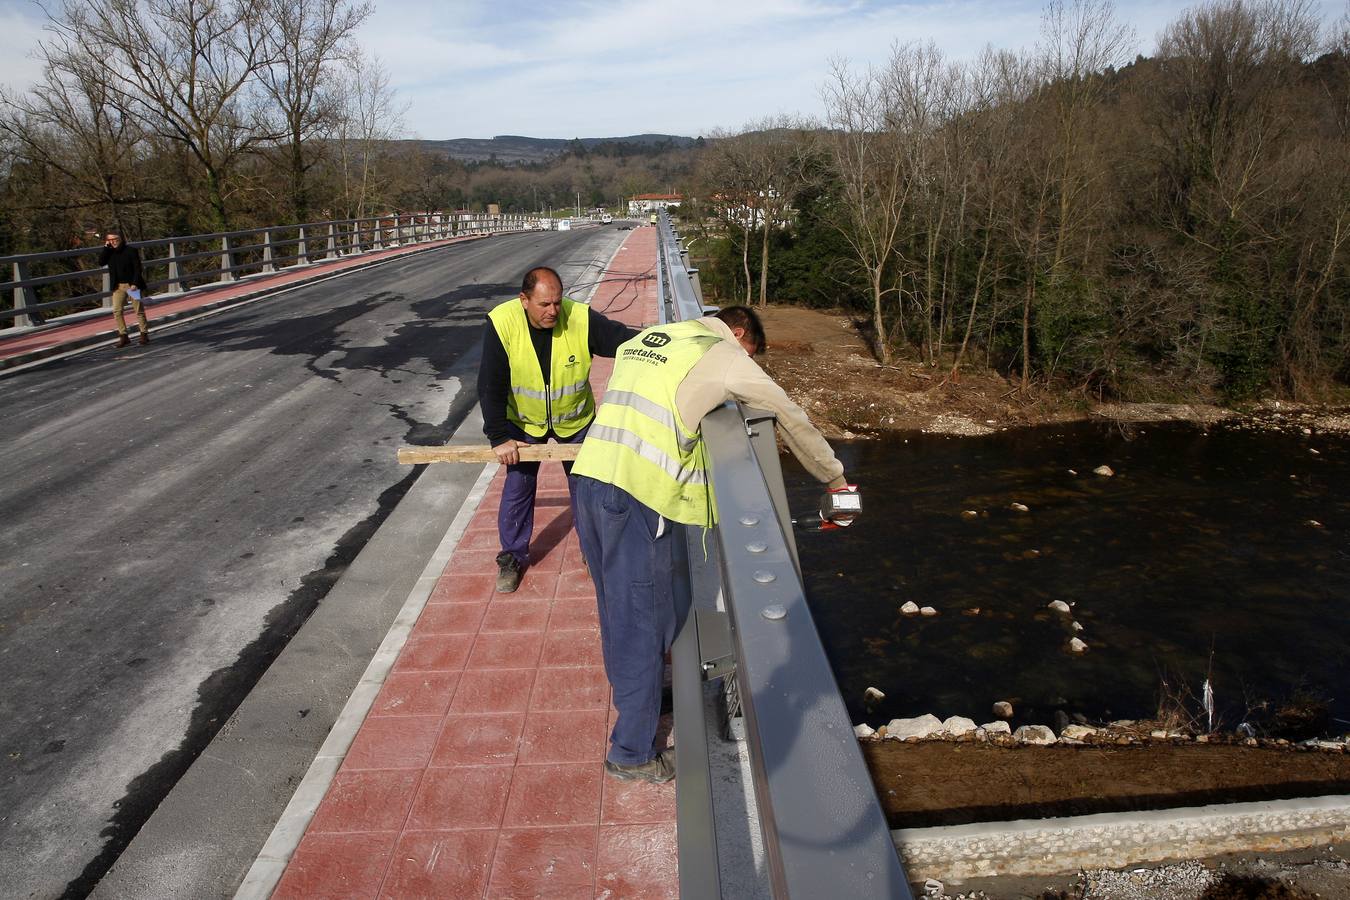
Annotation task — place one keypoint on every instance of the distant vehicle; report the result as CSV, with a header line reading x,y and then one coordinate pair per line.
x,y
606,218
564,224
545,224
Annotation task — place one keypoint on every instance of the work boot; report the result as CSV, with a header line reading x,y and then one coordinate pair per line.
x,y
657,771
122,341
508,573
145,338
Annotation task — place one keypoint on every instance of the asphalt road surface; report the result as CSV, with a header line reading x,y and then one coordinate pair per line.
x,y
170,515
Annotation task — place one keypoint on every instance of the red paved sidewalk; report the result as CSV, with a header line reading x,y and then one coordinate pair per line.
x,y
478,771
35,343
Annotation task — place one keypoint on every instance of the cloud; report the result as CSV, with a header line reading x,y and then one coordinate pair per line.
x,y
19,36
684,67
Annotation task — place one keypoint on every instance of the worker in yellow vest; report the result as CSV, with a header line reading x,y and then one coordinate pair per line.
x,y
642,479
534,385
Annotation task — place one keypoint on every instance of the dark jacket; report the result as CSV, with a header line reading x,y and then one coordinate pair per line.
x,y
124,265
494,370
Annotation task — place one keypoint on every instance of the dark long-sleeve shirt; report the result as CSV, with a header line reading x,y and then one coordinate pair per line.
x,y
494,371
124,264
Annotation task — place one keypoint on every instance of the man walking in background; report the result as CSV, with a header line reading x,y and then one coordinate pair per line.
x,y
124,270
642,478
534,384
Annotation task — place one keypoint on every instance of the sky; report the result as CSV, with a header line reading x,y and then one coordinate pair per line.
x,y
609,68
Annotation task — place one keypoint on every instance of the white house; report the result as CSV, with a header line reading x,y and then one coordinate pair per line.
x,y
641,204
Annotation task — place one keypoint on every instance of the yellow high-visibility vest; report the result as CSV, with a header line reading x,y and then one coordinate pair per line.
x,y
565,404
638,441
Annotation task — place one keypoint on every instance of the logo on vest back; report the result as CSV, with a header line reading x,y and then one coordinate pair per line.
x,y
656,339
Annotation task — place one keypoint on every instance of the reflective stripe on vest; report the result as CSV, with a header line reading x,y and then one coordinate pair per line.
x,y
638,442
565,404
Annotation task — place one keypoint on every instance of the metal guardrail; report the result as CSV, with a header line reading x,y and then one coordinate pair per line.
x,y
263,250
824,831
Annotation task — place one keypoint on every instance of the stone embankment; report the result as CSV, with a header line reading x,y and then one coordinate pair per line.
x,y
1123,732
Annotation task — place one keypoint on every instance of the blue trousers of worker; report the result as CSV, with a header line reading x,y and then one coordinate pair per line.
x,y
515,516
633,571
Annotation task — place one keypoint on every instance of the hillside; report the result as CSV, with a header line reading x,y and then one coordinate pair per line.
x,y
513,148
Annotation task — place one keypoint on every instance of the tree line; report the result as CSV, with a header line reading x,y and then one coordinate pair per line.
x,y
163,117
1159,228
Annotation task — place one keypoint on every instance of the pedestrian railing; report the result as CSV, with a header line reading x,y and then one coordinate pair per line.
x,y
825,834
69,281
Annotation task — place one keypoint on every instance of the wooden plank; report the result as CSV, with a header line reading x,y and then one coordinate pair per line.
x,y
480,453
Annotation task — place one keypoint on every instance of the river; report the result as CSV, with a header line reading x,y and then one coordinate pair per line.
x,y
1219,553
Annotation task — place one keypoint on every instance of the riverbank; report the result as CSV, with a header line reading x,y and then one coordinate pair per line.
x,y
824,364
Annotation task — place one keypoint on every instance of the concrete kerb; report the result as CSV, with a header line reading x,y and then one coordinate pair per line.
x,y
24,361
1119,840
276,853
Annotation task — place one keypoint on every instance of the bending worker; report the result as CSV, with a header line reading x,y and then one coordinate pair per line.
x,y
534,384
642,478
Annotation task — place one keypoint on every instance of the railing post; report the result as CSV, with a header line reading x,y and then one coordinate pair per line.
x,y
24,296
107,290
302,248
332,242
175,285
354,243
379,234
267,266
226,260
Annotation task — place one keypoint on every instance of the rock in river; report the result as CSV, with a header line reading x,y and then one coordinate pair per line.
x,y
919,727
1104,471
1077,646
910,608
872,695
1058,606
1076,733
1003,709
957,726
1034,734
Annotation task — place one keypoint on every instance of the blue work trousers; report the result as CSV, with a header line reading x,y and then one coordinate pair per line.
x,y
515,515
633,571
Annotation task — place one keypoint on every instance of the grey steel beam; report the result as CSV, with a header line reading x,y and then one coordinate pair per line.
x,y
695,829
824,831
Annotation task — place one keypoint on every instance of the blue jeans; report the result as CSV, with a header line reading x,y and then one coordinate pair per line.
x,y
515,516
633,571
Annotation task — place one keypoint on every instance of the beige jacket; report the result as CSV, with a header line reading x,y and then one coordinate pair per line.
x,y
727,372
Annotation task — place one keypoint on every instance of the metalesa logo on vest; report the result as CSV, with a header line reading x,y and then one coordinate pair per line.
x,y
656,339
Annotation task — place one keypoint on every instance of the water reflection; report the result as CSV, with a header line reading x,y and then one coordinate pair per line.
x,y
1200,545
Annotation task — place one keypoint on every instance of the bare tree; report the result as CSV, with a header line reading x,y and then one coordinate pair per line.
x,y
1082,40
370,118
184,69
307,38
71,123
998,83
927,104
1230,73
728,169
869,169
777,154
